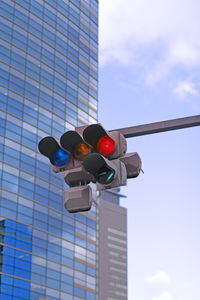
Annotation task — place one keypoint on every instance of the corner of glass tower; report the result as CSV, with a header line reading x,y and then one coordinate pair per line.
x,y
48,85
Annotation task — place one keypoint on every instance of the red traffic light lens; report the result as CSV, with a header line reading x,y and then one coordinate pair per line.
x,y
105,145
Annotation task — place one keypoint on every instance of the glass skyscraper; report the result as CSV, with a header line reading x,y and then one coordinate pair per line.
x,y
48,85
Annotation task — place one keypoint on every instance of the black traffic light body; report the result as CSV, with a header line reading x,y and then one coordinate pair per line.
x,y
90,154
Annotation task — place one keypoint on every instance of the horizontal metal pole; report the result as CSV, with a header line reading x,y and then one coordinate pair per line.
x,y
162,126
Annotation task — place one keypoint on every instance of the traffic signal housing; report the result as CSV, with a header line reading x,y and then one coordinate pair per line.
x,y
90,154
109,144
58,157
74,143
108,174
105,164
78,198
65,156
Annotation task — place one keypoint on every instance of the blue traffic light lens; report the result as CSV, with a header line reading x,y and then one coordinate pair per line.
x,y
60,158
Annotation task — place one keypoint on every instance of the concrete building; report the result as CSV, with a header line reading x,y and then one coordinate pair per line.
x,y
112,247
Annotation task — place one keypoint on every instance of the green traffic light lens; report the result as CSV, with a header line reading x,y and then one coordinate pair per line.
x,y
106,175
60,158
110,176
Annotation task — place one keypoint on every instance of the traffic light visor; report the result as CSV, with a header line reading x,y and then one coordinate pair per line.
x,y
97,136
73,142
49,147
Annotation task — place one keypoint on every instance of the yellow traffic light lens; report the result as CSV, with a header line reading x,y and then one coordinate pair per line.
x,y
82,150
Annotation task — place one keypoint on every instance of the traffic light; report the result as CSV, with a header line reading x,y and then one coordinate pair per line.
x,y
111,145
78,198
108,174
59,158
73,143
90,154
104,164
132,163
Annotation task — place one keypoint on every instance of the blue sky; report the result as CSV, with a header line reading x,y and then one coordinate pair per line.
x,y
150,71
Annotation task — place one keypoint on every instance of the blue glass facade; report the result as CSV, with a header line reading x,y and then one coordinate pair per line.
x,y
16,246
48,85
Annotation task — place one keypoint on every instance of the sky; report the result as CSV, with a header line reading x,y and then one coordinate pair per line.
x,y
149,53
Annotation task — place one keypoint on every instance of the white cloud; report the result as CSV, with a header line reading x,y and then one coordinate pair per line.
x,y
184,52
159,278
164,296
184,88
159,70
130,29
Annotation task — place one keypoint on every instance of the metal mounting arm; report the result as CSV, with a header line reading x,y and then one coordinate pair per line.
x,y
162,126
